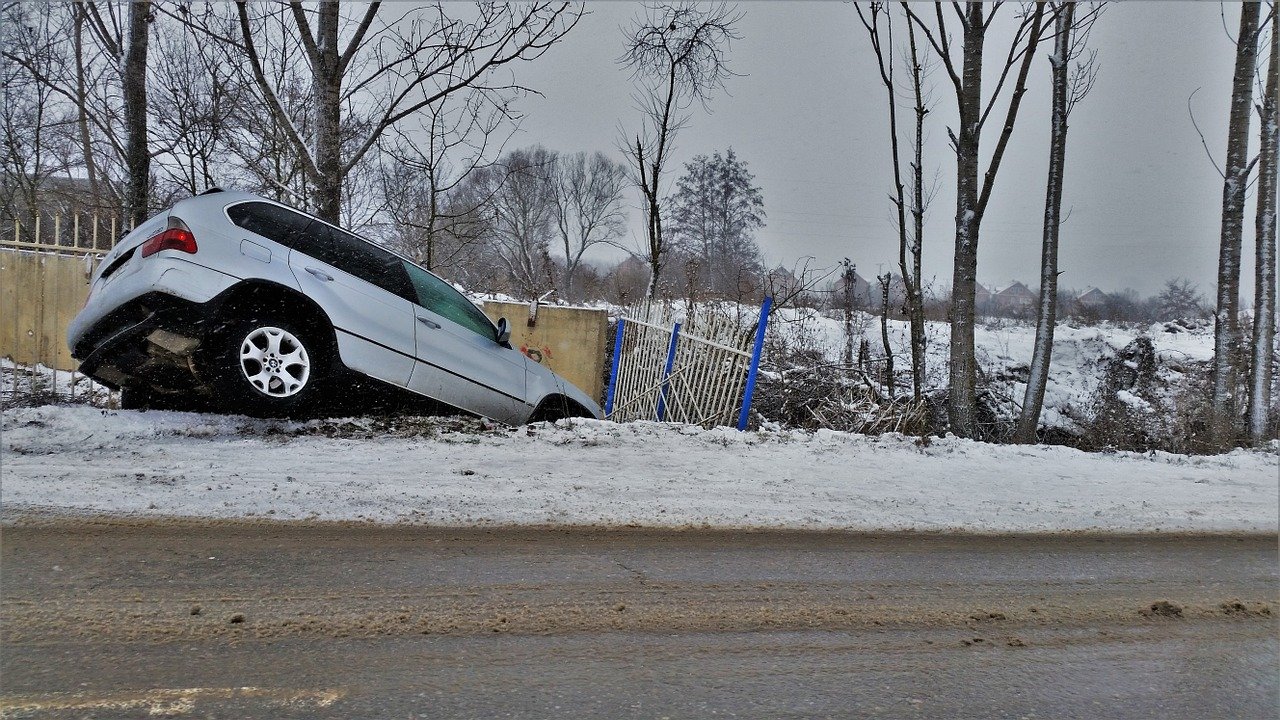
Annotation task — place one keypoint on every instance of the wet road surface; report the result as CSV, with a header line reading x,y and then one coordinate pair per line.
x,y
330,621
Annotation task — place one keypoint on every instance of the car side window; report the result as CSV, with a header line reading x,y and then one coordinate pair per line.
x,y
325,243
356,256
442,299
270,221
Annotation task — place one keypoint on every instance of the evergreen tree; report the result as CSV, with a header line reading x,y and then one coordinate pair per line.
x,y
715,213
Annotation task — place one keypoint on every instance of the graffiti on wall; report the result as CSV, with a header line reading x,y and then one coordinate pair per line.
x,y
536,354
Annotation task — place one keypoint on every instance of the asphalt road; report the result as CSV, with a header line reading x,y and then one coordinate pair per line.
x,y
242,620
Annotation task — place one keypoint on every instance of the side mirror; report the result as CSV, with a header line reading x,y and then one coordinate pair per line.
x,y
504,331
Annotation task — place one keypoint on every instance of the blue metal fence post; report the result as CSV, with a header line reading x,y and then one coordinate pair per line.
x,y
613,371
755,364
666,374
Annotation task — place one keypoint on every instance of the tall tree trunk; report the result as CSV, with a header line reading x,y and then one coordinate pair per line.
x,y
656,250
849,279
915,295
1226,346
137,156
962,369
327,84
889,383
1047,317
82,113
1264,304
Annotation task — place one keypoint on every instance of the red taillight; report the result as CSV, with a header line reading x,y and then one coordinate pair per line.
x,y
175,237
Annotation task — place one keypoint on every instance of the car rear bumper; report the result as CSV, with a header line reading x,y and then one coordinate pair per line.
x,y
142,337
166,273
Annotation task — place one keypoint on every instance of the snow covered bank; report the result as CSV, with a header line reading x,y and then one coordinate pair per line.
x,y
453,472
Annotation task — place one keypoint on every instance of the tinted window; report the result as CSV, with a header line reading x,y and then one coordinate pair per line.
x,y
350,254
270,221
328,244
440,298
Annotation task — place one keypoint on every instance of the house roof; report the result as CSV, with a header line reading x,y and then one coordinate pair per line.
x,y
1016,288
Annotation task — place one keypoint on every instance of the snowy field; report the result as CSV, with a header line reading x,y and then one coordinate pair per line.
x,y
452,472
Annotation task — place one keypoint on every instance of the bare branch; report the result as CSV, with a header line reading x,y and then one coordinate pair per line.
x,y
1208,153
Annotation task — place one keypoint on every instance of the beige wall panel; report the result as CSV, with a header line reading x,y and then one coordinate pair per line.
x,y
570,341
40,293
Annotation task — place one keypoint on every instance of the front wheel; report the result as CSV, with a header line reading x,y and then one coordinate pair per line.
x,y
268,367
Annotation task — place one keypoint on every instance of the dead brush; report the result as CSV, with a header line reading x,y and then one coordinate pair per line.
x,y
814,394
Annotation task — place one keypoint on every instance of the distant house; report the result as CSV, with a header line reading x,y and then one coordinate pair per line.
x,y
981,296
782,282
1014,297
868,295
1092,298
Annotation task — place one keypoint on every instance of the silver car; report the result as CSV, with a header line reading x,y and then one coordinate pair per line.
x,y
233,298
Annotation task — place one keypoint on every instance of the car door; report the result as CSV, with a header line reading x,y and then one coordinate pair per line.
x,y
363,289
459,359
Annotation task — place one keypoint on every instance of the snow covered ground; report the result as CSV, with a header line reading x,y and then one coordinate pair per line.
x,y
451,472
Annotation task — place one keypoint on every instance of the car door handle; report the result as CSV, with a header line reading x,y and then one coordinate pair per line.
x,y
429,323
320,274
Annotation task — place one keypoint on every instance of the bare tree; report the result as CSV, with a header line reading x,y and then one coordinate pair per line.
x,y
423,173
848,287
86,76
912,278
890,384
973,193
1070,85
587,193
1226,345
1179,299
1264,305
370,73
191,102
520,217
27,110
678,53
909,238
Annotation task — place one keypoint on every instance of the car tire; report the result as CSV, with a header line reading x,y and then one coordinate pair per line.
x,y
268,367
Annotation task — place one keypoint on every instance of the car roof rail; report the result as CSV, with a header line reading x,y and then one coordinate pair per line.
x,y
211,191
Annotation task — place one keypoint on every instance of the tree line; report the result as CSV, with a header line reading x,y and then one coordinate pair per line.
x,y
960,41
389,120
396,121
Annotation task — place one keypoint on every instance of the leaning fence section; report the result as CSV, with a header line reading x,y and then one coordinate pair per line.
x,y
45,266
698,367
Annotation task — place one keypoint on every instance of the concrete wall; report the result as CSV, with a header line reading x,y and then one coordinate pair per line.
x,y
570,341
40,293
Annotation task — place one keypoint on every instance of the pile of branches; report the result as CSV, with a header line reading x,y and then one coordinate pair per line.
x,y
804,390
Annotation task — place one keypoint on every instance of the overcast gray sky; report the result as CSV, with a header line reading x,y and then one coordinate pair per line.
x,y
809,116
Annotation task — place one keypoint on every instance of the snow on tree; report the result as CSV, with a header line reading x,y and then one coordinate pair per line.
x,y
1264,305
1071,32
1226,347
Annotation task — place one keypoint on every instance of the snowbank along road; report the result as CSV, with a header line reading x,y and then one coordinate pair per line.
x,y
458,472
